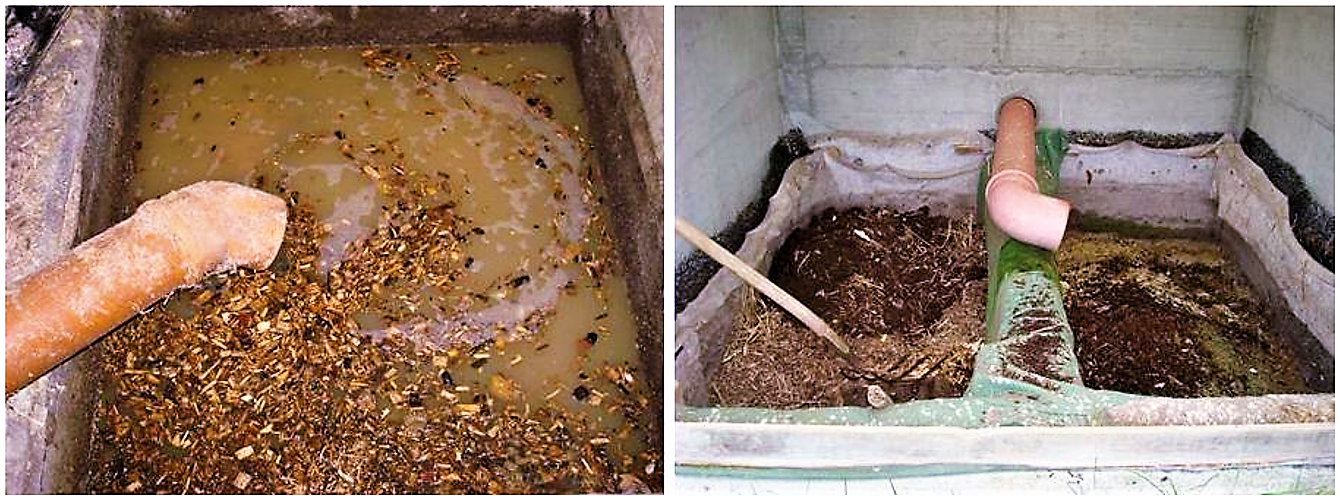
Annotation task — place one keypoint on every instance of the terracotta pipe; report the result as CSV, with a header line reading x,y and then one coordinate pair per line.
x,y
1012,197
171,242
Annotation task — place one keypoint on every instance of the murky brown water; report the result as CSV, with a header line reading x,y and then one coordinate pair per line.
x,y
507,162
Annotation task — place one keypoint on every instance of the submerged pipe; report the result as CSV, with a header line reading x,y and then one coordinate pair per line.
x,y
1012,197
171,242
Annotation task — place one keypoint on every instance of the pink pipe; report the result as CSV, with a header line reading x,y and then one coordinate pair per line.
x,y
1012,197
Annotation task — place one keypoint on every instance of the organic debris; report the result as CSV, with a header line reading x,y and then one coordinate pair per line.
x,y
905,290
1171,318
875,271
268,389
1157,317
270,381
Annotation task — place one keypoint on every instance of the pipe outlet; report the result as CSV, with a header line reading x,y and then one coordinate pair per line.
x,y
1012,198
171,242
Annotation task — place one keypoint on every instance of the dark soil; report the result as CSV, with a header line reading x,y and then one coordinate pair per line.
x,y
1160,317
903,263
1169,317
1134,345
1151,316
1146,138
1037,354
906,291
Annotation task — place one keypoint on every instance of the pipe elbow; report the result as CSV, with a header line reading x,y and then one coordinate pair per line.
x,y
1021,212
171,242
219,226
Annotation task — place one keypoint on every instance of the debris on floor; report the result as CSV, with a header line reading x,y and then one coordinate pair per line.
x,y
468,333
905,290
1169,317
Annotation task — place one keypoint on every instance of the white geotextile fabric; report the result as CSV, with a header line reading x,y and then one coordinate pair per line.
x,y
1257,211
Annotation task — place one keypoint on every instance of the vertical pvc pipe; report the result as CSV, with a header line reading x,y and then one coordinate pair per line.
x,y
1025,299
1012,197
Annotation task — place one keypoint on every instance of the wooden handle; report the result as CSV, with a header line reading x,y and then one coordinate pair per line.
x,y
759,282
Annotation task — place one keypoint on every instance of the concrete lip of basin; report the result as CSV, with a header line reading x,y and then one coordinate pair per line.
x,y
68,149
1212,189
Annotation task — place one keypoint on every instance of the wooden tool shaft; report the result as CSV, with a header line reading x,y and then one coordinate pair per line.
x,y
759,282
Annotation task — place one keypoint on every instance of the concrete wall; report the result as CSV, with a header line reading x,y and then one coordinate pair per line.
x,y
643,33
59,132
905,69
1291,99
727,111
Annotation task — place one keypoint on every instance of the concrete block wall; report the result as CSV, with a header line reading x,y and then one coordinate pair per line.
x,y
893,70
728,111
1291,100
906,69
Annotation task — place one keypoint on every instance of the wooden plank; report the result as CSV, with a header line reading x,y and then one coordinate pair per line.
x,y
758,281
